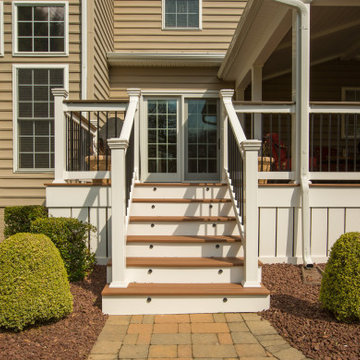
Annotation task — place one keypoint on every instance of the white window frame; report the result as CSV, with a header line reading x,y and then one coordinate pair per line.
x,y
15,5
1,28
343,92
15,67
163,26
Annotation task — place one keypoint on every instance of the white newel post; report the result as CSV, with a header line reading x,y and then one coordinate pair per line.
x,y
118,211
250,150
60,134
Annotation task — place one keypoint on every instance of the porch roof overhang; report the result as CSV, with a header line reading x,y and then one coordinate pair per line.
x,y
263,37
146,59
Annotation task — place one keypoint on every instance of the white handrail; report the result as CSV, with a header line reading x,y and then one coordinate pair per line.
x,y
82,106
335,108
264,108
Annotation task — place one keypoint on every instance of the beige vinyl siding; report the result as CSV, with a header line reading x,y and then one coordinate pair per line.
x,y
101,42
138,27
28,188
148,78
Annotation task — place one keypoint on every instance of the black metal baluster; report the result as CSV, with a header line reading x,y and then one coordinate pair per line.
x,y
71,142
346,141
288,120
116,119
89,141
355,142
98,140
79,145
338,142
329,142
320,135
311,141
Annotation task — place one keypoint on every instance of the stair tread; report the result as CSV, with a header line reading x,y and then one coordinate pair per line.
x,y
184,262
182,239
154,289
181,218
174,200
179,184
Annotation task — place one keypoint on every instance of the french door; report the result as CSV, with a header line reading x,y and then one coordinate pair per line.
x,y
180,139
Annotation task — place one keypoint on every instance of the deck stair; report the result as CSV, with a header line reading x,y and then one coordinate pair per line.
x,y
184,254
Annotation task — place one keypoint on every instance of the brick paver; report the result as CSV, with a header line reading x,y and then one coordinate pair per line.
x,y
191,336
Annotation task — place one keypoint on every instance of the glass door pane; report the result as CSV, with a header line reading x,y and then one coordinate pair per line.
x,y
162,140
201,146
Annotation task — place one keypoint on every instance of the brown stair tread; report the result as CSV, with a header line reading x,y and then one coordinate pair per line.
x,y
153,289
182,239
180,184
184,262
162,200
181,218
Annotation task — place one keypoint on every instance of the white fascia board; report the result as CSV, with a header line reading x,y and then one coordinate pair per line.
x,y
165,59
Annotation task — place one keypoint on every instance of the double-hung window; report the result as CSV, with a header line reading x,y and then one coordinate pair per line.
x,y
35,115
40,28
181,14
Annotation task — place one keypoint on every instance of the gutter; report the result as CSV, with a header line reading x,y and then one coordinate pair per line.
x,y
302,113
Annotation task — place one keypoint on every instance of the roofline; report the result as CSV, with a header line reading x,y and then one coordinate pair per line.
x,y
165,59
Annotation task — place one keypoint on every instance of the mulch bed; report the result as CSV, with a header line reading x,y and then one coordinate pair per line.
x,y
70,338
297,315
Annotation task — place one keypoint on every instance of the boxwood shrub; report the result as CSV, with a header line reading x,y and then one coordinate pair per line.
x,y
340,285
70,237
33,282
18,218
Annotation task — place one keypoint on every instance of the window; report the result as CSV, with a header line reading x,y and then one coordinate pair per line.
x,y
350,127
40,29
1,28
35,116
182,14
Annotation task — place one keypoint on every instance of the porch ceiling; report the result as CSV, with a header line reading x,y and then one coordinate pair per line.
x,y
263,37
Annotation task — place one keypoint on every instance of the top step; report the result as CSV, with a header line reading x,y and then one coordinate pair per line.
x,y
181,191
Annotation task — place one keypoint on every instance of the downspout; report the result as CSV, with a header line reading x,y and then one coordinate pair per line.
x,y
84,43
302,113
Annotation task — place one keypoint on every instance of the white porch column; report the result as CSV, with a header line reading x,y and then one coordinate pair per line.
x,y
251,150
60,134
118,212
256,95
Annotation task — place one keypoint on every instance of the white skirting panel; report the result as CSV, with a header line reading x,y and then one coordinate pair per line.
x,y
333,211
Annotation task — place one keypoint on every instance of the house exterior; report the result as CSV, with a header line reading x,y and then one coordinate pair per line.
x,y
201,138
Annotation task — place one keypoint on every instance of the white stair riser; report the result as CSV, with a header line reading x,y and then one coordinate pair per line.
x,y
179,275
184,250
182,209
183,228
138,305
181,192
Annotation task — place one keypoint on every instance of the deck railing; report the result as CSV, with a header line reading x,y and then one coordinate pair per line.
x,y
240,158
334,147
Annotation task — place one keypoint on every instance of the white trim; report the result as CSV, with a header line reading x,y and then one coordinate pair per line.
x,y
264,108
15,67
346,108
85,107
186,93
165,59
314,175
2,28
163,27
84,53
15,51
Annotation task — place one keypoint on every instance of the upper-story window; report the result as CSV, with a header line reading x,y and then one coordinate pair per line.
x,y
40,28
182,14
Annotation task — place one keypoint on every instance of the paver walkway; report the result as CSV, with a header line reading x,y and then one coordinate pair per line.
x,y
191,336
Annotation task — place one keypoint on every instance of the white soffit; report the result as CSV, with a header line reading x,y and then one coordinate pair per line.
x,y
165,59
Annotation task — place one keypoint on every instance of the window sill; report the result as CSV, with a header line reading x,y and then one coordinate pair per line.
x,y
181,29
39,54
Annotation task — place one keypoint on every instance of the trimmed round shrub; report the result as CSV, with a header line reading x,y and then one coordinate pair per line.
x,y
34,287
340,285
70,237
18,218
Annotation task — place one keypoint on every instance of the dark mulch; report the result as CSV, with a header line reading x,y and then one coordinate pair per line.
x,y
296,313
70,338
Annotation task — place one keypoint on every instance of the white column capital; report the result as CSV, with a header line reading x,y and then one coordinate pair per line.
x,y
134,92
60,92
251,145
116,143
227,94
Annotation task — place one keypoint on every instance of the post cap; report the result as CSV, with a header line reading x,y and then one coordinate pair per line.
x,y
251,145
133,92
227,93
116,143
60,92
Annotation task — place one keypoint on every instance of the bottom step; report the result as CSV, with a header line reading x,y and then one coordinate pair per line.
x,y
152,298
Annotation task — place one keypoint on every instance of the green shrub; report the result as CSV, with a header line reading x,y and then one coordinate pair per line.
x,y
340,285
33,283
18,218
70,237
